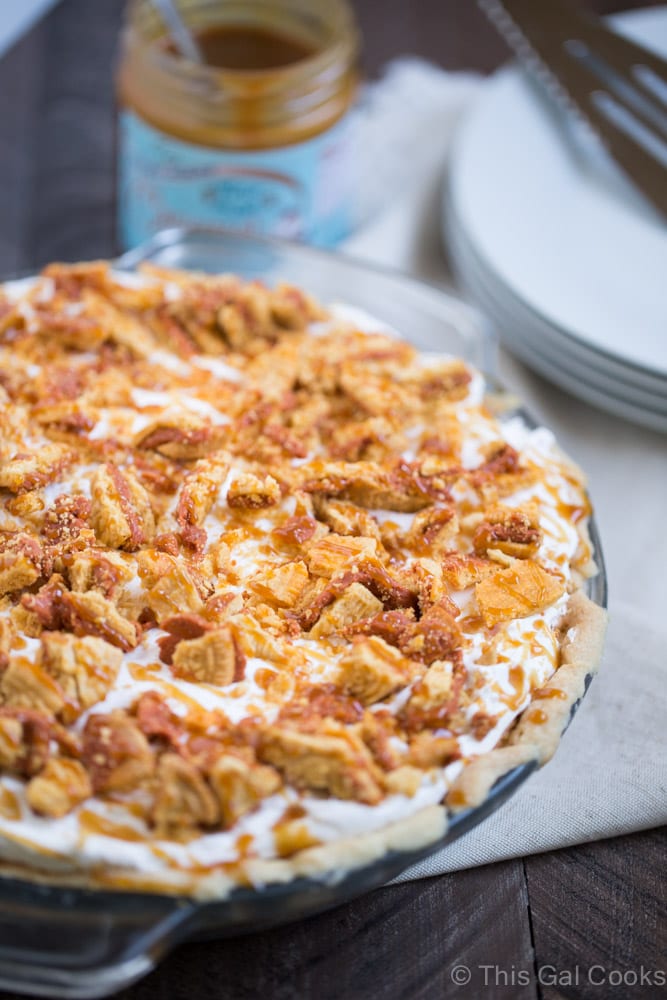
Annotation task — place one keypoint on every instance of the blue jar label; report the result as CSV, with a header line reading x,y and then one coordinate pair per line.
x,y
300,192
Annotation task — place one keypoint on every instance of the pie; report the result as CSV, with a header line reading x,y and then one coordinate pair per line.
x,y
279,594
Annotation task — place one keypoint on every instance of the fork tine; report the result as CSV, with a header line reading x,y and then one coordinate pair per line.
x,y
651,82
638,154
625,91
625,58
594,74
616,49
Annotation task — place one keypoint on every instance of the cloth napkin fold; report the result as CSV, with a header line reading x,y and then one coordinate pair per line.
x,y
609,775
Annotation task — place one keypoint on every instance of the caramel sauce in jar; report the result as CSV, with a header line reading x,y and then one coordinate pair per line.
x,y
257,138
250,47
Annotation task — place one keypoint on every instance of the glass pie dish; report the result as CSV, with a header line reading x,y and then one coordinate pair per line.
x,y
92,942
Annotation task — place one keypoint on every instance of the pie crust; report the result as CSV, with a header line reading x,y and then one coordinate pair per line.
x,y
278,594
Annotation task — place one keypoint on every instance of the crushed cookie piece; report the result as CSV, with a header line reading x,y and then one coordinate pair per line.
x,y
26,685
28,737
197,486
196,498
374,577
392,626
96,570
435,686
405,780
211,658
435,636
174,592
427,750
372,669
336,762
68,520
8,637
23,472
518,591
354,604
432,530
512,531
462,571
115,752
282,585
251,492
185,437
183,800
179,627
22,562
370,485
346,518
120,510
435,698
155,718
84,667
62,785
239,786
11,742
307,709
334,553
296,530
482,723
92,614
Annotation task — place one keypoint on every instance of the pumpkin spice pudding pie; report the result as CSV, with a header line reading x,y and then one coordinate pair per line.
x,y
278,592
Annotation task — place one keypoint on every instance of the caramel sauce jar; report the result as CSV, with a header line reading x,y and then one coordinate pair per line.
x,y
258,139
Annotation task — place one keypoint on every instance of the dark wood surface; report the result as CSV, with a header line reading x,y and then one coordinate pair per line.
x,y
598,907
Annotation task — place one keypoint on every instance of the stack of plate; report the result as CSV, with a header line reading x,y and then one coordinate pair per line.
x,y
558,249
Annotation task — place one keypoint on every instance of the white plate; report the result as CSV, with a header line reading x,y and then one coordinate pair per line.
x,y
620,371
584,390
581,382
561,229
17,17
518,325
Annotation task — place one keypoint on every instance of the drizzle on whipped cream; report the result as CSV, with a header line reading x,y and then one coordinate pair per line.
x,y
525,657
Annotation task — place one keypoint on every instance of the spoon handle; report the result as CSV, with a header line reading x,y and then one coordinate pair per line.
x,y
181,36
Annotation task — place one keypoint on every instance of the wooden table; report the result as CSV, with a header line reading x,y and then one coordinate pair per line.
x,y
600,906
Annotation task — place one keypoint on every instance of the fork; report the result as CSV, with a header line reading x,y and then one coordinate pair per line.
x,y
615,87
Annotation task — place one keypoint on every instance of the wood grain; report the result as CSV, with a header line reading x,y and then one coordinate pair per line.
x,y
19,84
600,903
398,942
57,112
454,34
72,208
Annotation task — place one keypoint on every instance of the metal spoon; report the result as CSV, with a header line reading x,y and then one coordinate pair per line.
x,y
181,36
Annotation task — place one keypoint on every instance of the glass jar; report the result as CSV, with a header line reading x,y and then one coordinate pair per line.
x,y
258,150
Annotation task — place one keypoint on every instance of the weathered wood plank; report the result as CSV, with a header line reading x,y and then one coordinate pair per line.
x,y
455,34
599,904
399,943
19,96
601,909
71,215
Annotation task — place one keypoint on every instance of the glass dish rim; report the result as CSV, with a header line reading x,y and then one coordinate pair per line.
x,y
175,918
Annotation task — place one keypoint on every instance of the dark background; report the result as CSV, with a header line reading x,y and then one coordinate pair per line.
x,y
597,904
57,112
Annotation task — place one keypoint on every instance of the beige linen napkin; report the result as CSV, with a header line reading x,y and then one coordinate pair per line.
x,y
609,775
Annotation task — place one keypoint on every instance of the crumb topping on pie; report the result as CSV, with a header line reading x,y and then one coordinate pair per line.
x,y
268,576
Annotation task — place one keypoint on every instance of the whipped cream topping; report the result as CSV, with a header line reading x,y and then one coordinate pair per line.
x,y
526,650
